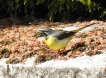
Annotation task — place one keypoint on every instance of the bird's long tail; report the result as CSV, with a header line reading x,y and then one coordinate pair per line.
x,y
83,28
77,30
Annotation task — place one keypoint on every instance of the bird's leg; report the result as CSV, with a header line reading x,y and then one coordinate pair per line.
x,y
62,50
55,54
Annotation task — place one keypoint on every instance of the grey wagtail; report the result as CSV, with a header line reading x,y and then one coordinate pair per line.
x,y
58,39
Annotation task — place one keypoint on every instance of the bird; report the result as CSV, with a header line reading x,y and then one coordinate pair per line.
x,y
58,39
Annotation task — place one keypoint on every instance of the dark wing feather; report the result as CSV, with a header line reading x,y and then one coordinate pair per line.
x,y
63,34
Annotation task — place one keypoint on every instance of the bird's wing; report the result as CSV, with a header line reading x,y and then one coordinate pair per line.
x,y
63,34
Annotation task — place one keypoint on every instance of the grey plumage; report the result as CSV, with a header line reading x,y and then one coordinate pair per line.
x,y
47,31
60,34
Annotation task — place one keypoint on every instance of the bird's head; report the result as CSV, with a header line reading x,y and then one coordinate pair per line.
x,y
47,31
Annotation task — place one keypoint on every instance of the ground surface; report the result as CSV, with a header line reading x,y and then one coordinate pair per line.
x,y
20,40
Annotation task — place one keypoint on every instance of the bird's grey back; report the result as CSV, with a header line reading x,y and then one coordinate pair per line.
x,y
63,34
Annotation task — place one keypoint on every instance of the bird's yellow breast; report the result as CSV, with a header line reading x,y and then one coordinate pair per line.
x,y
56,44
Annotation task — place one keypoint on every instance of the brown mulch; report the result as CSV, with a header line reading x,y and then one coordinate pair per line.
x,y
19,40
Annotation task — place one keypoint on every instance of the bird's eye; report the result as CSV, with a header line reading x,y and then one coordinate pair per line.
x,y
46,38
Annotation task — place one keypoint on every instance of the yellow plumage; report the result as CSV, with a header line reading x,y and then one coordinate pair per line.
x,y
56,44
58,39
